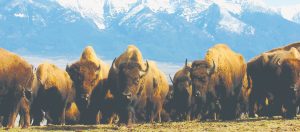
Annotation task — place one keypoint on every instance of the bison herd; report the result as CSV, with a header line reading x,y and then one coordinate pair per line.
x,y
222,86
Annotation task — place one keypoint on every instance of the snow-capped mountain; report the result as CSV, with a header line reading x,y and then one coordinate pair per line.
x,y
166,30
291,13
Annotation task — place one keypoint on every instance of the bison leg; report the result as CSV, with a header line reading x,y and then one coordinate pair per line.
x,y
93,114
37,113
13,113
63,116
158,112
290,105
228,111
188,116
61,120
25,112
107,117
252,100
130,117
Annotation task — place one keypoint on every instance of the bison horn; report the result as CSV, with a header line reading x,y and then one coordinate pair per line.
x,y
278,63
186,62
144,72
99,67
212,69
171,79
113,66
67,67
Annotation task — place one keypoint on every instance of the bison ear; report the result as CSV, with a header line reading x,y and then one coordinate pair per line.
x,y
68,68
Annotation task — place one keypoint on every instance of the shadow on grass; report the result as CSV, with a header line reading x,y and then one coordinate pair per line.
x,y
252,119
74,128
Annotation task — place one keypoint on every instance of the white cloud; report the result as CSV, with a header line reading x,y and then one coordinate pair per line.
x,y
21,15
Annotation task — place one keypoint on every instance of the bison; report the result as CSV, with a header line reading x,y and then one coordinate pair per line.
x,y
273,75
89,75
217,82
53,94
139,88
182,93
16,79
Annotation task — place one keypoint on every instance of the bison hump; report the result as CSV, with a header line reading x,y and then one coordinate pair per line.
x,y
132,54
89,54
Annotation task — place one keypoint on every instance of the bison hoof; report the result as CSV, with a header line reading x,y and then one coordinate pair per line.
x,y
25,126
9,127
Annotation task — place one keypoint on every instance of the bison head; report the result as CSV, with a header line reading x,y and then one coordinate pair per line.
x,y
182,82
201,72
85,76
130,75
290,85
290,74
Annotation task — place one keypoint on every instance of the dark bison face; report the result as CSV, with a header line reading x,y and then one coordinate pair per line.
x,y
130,75
183,84
200,74
85,76
291,73
290,85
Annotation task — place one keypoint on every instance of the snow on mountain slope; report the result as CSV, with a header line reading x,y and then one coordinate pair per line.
x,y
291,13
92,9
165,30
189,9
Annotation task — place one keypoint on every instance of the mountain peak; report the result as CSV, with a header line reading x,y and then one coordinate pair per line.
x,y
95,9
166,30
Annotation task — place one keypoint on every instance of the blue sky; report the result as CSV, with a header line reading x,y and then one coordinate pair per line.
x,y
282,2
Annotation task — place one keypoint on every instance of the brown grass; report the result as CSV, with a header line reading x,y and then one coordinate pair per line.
x,y
257,124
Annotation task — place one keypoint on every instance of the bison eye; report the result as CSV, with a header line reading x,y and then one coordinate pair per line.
x,y
203,79
94,81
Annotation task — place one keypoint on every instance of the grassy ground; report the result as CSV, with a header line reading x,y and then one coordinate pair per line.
x,y
258,124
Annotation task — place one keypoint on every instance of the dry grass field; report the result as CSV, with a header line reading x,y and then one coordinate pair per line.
x,y
257,124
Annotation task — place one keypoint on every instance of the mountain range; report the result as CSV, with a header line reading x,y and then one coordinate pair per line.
x,y
164,30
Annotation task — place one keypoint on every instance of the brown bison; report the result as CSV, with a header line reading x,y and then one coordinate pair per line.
x,y
16,78
139,88
89,75
273,78
217,82
53,94
181,101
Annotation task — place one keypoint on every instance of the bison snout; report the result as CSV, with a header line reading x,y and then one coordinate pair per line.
x,y
294,87
198,94
85,97
128,95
